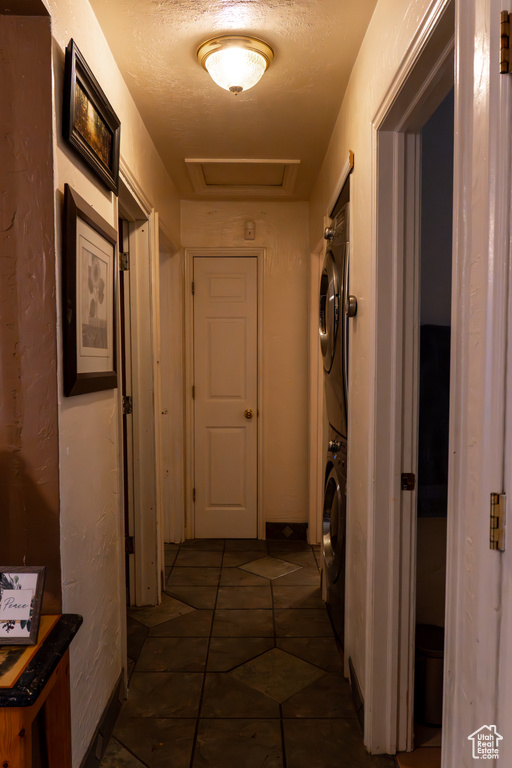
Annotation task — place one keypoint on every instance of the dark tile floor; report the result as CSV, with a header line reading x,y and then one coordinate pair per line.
x,y
237,667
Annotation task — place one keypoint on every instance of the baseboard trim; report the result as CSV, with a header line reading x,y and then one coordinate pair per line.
x,y
103,732
357,696
286,531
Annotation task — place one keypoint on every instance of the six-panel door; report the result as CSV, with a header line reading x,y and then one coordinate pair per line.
x,y
225,380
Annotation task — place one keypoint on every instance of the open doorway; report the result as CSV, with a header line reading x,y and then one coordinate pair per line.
x,y
139,365
433,420
421,85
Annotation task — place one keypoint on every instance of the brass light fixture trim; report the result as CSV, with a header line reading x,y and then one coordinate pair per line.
x,y
224,43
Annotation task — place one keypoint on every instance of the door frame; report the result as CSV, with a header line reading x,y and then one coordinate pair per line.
x,y
190,254
478,601
420,84
148,557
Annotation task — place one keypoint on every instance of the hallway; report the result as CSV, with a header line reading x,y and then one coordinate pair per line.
x,y
237,667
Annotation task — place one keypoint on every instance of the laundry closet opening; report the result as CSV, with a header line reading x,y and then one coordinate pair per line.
x,y
433,418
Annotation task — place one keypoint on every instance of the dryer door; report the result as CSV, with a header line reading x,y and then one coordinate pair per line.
x,y
334,526
329,310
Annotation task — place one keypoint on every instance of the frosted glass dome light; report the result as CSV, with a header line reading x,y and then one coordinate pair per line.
x,y
234,62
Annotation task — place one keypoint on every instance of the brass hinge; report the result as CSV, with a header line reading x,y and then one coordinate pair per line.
x,y
127,404
408,481
129,545
193,288
505,43
124,262
497,537
193,392
193,494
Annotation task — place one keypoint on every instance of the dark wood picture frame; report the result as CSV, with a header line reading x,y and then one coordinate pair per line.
x,y
89,123
89,267
15,579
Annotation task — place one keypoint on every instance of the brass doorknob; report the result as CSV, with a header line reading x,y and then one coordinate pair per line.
x,y
248,414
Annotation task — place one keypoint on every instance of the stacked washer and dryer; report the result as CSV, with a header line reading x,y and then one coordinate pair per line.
x,y
336,307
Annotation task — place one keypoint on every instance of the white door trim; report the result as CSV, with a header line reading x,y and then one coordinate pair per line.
x,y
148,532
190,254
422,80
477,606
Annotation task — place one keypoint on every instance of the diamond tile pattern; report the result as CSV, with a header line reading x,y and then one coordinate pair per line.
x,y
278,674
270,567
237,667
169,608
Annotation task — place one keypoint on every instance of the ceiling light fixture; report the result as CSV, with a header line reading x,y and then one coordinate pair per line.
x,y
235,62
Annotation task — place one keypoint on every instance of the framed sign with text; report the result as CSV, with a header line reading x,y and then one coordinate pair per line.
x,y
21,594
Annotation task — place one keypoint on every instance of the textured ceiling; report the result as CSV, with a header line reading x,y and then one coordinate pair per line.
x,y
289,114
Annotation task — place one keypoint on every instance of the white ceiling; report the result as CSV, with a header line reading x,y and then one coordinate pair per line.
x,y
288,115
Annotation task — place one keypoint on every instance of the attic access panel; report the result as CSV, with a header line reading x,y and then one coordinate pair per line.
x,y
242,177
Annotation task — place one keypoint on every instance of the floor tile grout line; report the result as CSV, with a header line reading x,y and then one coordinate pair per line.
x,y
139,760
283,743
201,695
272,583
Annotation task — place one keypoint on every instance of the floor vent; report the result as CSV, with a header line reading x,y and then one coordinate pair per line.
x,y
287,531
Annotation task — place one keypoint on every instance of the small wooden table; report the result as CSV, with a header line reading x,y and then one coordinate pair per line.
x,y
44,682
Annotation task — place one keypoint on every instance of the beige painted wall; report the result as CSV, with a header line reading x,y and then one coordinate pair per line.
x,y
388,37
91,514
281,228
29,441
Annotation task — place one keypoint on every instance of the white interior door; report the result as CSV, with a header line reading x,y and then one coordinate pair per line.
x,y
225,383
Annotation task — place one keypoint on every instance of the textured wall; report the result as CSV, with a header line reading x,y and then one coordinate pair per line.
x,y
29,469
91,513
388,37
281,228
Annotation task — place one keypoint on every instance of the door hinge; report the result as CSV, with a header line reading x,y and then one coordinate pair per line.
x,y
193,288
124,262
497,537
408,481
193,392
193,494
505,43
127,404
129,545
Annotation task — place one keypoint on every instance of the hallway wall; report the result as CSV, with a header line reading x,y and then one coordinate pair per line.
x,y
29,441
281,228
391,30
90,487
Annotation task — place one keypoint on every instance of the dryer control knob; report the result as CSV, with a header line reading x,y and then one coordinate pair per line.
x,y
334,446
328,233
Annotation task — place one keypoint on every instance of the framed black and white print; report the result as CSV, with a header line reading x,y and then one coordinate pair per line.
x,y
21,594
89,123
89,284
